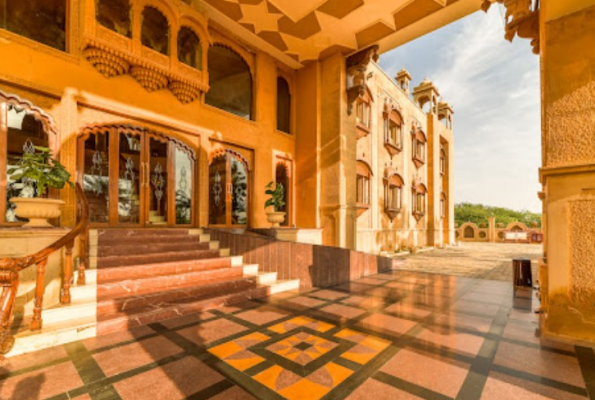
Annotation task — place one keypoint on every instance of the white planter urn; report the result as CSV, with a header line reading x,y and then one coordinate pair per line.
x,y
276,218
37,210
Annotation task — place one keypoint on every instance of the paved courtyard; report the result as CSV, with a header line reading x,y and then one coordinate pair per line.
x,y
398,335
475,260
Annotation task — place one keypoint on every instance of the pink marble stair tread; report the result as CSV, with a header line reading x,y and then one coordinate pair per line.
x,y
159,283
126,249
115,274
138,233
156,239
119,261
122,321
138,300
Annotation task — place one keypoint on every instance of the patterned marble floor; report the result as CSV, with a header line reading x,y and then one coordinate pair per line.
x,y
399,335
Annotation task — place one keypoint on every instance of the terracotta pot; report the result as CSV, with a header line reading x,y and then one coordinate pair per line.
x,y
37,210
276,218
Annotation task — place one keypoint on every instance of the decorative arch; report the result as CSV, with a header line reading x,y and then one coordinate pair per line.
x,y
226,78
128,127
25,126
224,152
468,230
517,226
46,119
156,40
363,168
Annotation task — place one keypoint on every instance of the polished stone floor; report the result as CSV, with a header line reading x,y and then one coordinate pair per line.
x,y
399,335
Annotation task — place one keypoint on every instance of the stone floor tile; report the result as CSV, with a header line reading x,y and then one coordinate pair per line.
x,y
328,294
32,359
387,324
402,308
187,319
125,358
372,389
303,302
42,383
235,393
501,386
118,337
262,315
558,367
341,312
466,322
432,373
176,380
211,331
452,340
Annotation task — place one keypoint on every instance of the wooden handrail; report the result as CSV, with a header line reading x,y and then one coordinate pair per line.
x,y
10,267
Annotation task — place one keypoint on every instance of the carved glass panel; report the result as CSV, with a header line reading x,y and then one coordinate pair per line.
x,y
155,30
115,15
189,49
183,174
230,82
41,20
283,105
158,167
239,187
23,133
129,183
96,175
218,191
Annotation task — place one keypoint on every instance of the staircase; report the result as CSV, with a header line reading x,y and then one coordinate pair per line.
x,y
137,277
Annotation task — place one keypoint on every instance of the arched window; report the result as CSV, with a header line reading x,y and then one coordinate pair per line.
x,y
155,30
364,111
394,129
442,162
189,50
469,232
364,177
115,15
418,147
41,20
230,82
21,130
393,196
418,202
283,105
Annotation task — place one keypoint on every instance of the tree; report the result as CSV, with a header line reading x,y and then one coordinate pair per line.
x,y
480,214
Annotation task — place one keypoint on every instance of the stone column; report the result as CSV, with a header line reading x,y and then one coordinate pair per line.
x,y
492,229
567,31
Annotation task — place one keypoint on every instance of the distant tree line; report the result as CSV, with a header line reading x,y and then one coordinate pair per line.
x,y
479,214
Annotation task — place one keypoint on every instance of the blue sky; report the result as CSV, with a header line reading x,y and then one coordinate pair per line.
x,y
493,86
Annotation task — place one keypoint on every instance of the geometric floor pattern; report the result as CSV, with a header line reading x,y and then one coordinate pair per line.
x,y
397,335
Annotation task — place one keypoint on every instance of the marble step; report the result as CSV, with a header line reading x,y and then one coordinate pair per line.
x,y
160,283
107,275
108,241
128,249
137,259
129,233
156,299
122,321
54,334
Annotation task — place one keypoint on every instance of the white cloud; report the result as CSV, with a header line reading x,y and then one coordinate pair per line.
x,y
493,86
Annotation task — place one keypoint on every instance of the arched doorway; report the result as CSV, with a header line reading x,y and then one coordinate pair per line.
x,y
135,177
229,177
282,177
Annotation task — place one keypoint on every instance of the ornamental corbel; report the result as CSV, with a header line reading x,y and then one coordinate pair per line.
x,y
357,65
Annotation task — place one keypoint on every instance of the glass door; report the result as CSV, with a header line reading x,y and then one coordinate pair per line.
x,y
136,178
228,191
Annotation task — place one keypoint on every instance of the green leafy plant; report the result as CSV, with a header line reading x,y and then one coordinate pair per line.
x,y
277,194
40,167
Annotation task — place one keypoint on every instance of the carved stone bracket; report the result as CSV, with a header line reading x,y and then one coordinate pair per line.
x,y
184,83
357,65
522,20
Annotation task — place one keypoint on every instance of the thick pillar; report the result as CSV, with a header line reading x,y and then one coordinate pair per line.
x,y
567,31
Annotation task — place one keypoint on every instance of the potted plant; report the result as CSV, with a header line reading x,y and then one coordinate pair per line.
x,y
46,172
276,200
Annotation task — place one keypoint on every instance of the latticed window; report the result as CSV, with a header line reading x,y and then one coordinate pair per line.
x,y
418,200
394,129
363,190
442,162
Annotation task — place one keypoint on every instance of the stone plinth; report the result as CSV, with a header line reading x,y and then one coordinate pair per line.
x,y
298,235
